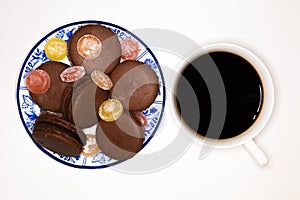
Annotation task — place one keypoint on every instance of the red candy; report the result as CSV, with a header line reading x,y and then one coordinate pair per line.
x,y
38,81
139,118
72,74
130,49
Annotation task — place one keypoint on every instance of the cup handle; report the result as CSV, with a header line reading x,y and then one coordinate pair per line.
x,y
256,153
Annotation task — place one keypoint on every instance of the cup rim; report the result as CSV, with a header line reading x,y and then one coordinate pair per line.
x,y
268,90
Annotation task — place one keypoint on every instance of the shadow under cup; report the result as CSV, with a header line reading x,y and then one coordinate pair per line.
x,y
237,111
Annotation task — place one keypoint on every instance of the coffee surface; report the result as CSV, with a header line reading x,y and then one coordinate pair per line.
x,y
244,94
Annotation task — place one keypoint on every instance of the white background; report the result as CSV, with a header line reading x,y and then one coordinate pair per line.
x,y
270,28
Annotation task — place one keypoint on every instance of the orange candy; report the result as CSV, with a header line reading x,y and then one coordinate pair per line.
x,y
101,80
38,81
89,46
91,148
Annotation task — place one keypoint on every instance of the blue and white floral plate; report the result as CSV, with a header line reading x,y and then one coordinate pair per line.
x,y
29,111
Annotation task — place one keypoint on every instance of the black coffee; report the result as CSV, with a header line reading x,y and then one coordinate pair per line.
x,y
244,94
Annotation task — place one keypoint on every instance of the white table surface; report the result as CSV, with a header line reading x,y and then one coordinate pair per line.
x,y
270,28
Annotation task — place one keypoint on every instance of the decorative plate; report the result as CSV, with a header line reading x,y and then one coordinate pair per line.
x,y
29,111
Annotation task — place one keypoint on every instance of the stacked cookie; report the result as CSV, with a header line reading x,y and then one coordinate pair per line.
x,y
96,89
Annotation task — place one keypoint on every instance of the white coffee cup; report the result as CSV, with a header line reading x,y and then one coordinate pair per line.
x,y
245,138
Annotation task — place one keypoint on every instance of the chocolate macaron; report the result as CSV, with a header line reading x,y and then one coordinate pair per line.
x,y
120,139
135,85
51,99
81,102
54,133
94,47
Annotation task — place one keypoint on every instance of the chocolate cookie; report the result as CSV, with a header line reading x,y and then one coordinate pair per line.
x,y
81,102
51,99
135,84
94,47
120,139
53,132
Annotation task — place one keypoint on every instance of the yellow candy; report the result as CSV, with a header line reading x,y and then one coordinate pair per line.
x,y
110,110
56,49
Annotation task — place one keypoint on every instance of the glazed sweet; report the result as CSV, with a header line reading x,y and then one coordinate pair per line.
x,y
139,118
94,47
110,110
54,133
120,139
101,80
130,49
38,81
72,74
51,99
56,49
135,85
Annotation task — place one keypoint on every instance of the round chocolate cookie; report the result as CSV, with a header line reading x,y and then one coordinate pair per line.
x,y
81,102
51,99
135,84
121,139
53,132
94,47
